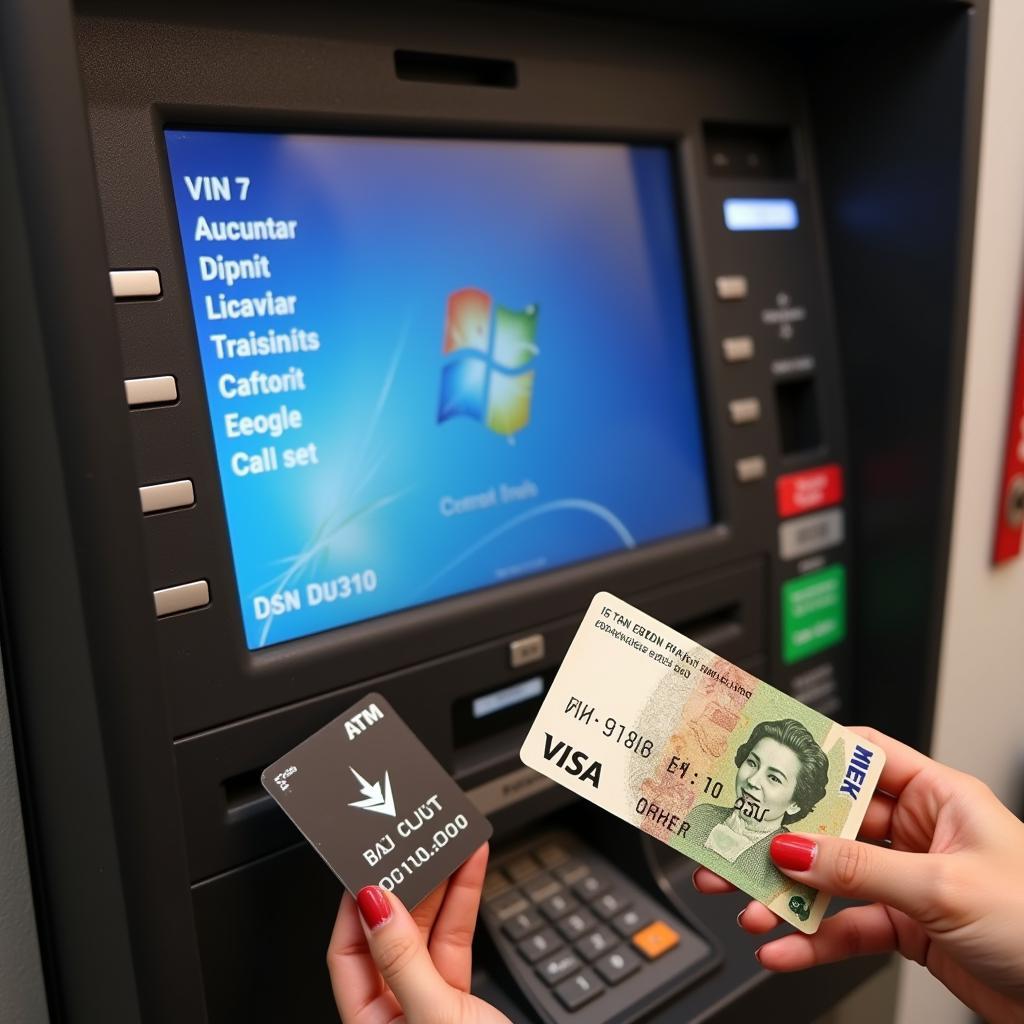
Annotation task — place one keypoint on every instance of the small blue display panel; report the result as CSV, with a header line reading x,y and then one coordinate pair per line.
x,y
761,215
434,366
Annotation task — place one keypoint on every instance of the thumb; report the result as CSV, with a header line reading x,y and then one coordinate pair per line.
x,y
859,871
401,956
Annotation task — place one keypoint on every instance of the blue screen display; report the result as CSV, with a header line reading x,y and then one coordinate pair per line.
x,y
434,366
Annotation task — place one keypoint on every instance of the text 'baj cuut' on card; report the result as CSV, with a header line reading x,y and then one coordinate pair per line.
x,y
651,726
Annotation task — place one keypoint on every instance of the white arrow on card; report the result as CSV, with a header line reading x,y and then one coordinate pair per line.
x,y
374,801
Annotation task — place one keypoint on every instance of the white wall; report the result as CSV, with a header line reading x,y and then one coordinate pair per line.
x,y
979,718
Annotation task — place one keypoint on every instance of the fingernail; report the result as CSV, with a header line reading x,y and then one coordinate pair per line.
x,y
757,953
739,917
374,906
795,853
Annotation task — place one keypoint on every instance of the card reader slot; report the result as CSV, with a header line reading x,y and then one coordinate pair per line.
x,y
715,628
245,797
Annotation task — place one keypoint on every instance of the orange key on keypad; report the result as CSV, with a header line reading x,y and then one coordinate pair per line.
x,y
655,939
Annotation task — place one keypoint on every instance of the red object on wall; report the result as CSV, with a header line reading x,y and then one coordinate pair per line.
x,y
1010,514
796,493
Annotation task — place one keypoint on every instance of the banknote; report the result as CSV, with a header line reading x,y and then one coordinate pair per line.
x,y
651,726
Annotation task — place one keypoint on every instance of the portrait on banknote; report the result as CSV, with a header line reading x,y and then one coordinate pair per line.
x,y
781,774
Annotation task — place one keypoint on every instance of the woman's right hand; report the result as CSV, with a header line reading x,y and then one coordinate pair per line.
x,y
388,965
949,893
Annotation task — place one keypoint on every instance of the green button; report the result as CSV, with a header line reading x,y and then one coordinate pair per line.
x,y
813,613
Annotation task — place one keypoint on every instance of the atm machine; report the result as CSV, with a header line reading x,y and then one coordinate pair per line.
x,y
354,347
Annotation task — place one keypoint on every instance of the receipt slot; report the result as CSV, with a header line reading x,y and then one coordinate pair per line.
x,y
353,351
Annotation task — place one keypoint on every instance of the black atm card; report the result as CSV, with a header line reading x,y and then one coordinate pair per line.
x,y
375,804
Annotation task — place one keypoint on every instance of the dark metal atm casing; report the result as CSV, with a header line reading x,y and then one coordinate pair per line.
x,y
141,741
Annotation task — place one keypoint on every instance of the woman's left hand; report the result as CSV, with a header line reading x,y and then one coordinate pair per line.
x,y
386,963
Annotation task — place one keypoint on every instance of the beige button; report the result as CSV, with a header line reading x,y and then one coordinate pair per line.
x,y
745,410
738,350
751,468
526,650
731,287
181,598
150,390
135,284
161,497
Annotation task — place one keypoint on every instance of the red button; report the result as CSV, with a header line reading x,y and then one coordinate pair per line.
x,y
797,493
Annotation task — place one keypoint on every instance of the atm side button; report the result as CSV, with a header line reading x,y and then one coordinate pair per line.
x,y
751,468
150,391
731,287
135,284
526,650
182,598
739,349
744,410
166,496
656,939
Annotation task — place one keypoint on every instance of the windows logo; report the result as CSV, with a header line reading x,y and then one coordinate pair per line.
x,y
488,346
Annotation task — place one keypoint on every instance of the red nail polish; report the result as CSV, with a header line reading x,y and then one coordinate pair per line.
x,y
795,853
374,906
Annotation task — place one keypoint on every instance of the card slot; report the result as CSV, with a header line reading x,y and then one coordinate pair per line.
x,y
715,628
245,797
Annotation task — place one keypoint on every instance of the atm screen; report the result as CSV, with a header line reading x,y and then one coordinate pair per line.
x,y
435,365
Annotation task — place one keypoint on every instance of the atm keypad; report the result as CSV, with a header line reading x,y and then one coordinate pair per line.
x,y
539,945
541,888
559,966
629,922
577,924
617,966
577,934
522,924
557,906
589,887
578,990
596,943
609,904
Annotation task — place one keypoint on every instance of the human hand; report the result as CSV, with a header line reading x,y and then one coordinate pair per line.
x,y
387,964
949,893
